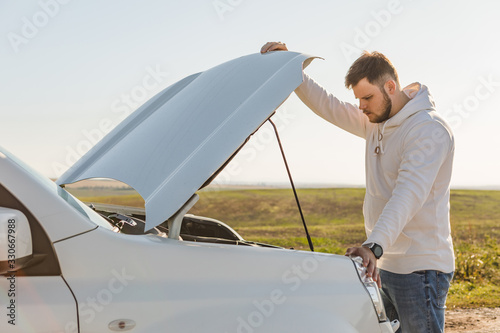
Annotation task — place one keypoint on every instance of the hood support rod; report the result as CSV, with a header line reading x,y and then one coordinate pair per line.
x,y
175,222
293,186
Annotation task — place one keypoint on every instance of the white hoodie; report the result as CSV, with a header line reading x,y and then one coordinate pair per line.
x,y
408,169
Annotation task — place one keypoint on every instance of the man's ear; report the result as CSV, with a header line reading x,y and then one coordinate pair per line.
x,y
390,87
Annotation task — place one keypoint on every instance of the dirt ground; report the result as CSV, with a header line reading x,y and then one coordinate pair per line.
x,y
481,320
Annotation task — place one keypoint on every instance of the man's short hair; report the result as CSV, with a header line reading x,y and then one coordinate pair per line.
x,y
374,66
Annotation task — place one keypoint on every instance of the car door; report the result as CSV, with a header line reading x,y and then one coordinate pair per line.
x,y
36,304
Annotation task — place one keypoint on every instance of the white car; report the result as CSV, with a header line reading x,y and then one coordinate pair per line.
x,y
65,270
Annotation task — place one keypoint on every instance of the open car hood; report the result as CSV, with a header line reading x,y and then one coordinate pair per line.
x,y
180,139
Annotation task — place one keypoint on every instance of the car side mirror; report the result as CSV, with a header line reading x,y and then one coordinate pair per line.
x,y
16,248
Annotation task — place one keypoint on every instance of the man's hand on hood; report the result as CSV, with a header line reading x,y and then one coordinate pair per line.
x,y
273,46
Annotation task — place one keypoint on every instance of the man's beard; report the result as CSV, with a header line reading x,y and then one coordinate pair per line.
x,y
387,105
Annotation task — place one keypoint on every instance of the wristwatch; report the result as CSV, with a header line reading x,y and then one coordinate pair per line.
x,y
376,249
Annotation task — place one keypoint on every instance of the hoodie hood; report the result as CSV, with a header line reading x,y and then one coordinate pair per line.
x,y
420,99
180,139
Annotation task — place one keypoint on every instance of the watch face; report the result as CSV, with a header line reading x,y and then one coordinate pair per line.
x,y
377,251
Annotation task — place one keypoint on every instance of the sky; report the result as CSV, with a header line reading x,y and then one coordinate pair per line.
x,y
71,70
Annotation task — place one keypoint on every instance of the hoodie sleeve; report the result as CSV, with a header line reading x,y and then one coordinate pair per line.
x,y
427,155
344,115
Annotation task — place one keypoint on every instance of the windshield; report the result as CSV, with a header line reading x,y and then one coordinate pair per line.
x,y
82,208
62,193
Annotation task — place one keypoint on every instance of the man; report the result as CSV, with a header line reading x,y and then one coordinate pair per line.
x,y
409,156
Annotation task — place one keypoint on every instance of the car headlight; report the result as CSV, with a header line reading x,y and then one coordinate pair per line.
x,y
372,288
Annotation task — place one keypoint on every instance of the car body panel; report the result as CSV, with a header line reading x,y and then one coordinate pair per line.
x,y
206,281
180,138
42,304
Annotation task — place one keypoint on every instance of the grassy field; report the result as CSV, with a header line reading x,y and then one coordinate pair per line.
x,y
335,222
